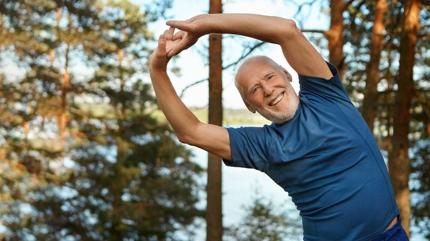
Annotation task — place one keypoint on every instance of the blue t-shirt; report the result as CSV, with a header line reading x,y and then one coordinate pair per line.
x,y
327,160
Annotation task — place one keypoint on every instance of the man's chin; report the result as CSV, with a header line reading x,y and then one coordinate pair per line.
x,y
276,118
281,120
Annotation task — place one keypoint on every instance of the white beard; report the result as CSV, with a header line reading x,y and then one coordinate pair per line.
x,y
276,117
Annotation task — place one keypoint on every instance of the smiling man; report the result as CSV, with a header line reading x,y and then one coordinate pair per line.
x,y
266,88
318,148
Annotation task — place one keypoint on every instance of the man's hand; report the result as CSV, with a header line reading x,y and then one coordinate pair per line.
x,y
190,31
169,45
159,58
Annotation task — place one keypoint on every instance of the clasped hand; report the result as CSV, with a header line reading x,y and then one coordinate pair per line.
x,y
171,43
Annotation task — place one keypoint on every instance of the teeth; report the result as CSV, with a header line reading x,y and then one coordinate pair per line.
x,y
277,99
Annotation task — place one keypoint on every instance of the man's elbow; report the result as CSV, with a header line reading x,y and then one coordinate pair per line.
x,y
185,139
288,29
191,135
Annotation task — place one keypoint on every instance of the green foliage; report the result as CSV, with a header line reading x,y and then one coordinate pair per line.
x,y
262,223
82,157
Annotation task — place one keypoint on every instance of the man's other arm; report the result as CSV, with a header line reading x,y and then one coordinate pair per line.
x,y
298,51
187,127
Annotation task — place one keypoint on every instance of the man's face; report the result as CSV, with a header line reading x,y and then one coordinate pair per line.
x,y
266,88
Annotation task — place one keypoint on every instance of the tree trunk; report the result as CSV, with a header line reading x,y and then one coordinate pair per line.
x,y
399,162
62,118
214,197
369,109
117,228
335,35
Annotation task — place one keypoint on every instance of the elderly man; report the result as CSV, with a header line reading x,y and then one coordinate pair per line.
x,y
318,147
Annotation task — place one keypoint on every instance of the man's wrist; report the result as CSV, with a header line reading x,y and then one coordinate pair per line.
x,y
208,23
157,70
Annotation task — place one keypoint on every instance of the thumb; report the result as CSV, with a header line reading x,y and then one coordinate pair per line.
x,y
161,48
182,25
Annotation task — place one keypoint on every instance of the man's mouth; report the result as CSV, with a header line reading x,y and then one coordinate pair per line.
x,y
277,99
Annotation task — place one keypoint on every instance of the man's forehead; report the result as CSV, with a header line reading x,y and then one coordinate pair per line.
x,y
257,60
254,67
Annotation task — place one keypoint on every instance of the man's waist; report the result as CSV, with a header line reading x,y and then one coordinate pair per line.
x,y
343,227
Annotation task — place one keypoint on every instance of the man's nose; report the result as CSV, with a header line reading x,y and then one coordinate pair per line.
x,y
268,89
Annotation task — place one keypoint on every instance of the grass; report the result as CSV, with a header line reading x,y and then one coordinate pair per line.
x,y
232,117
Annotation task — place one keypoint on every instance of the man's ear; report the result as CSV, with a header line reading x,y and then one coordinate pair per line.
x,y
289,76
286,73
250,108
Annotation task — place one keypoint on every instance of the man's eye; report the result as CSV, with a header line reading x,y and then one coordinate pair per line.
x,y
254,90
270,76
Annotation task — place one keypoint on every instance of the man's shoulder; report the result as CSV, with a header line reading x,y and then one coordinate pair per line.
x,y
329,89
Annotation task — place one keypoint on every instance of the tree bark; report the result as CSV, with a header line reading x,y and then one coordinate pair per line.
x,y
214,196
369,109
399,162
335,35
62,118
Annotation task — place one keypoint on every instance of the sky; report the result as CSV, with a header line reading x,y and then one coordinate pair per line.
x,y
192,63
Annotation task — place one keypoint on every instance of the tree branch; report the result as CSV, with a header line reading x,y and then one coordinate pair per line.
x,y
300,7
244,55
191,85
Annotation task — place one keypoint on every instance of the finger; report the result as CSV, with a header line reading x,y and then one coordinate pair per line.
x,y
183,25
174,51
178,48
168,34
178,35
161,48
171,30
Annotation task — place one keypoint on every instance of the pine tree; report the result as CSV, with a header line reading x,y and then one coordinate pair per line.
x,y
262,223
83,157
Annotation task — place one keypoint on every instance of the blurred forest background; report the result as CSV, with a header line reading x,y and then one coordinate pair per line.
x,y
85,156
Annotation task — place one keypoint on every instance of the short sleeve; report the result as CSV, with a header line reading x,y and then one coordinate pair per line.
x,y
248,147
326,88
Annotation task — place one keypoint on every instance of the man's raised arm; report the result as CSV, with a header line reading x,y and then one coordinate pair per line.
x,y
187,127
299,52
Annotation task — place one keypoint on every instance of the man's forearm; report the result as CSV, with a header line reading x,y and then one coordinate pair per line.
x,y
265,28
298,51
179,116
